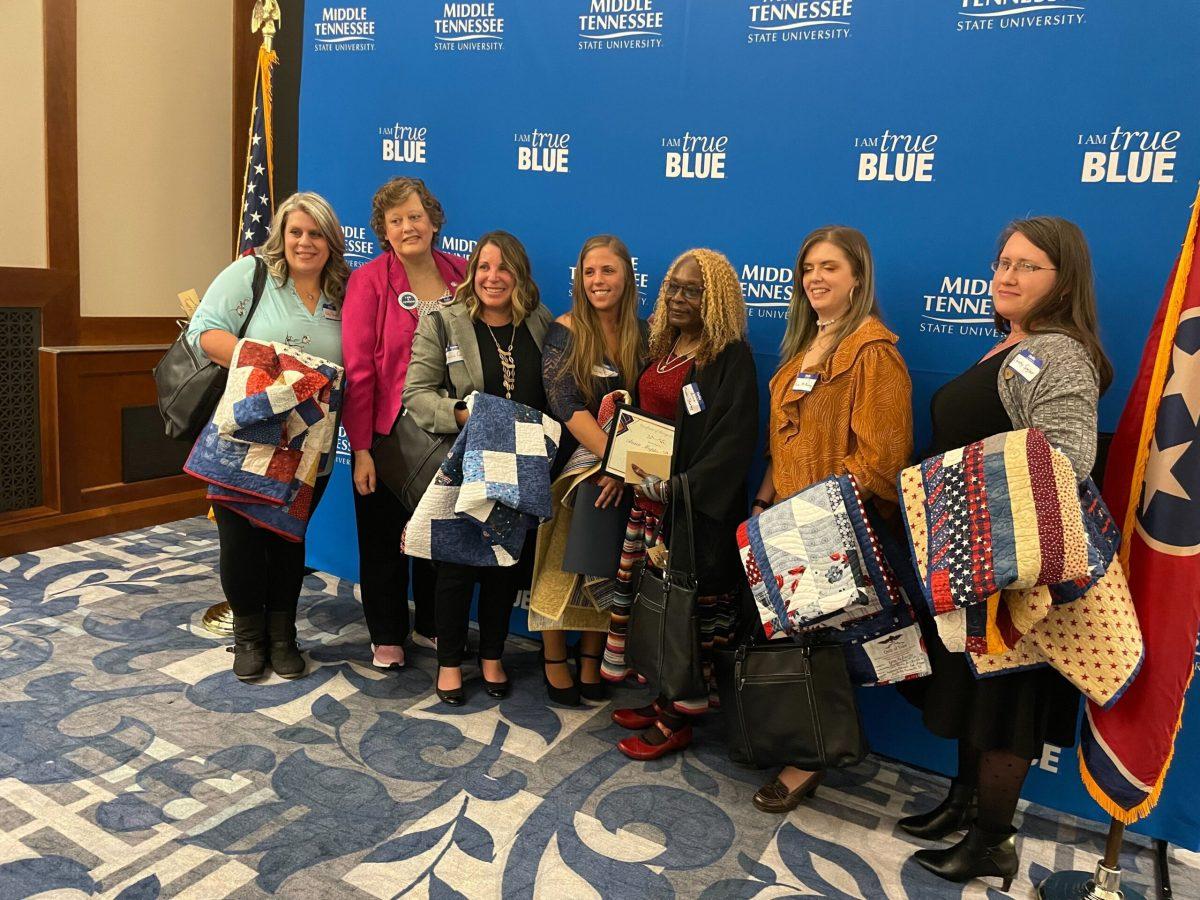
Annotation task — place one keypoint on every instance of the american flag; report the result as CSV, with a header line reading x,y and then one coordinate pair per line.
x,y
258,195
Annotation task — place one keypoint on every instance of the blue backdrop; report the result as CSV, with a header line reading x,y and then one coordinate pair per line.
x,y
743,125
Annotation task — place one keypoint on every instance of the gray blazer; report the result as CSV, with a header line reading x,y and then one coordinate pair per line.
x,y
425,386
1061,401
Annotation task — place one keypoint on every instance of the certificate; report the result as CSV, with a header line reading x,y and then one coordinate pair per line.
x,y
642,435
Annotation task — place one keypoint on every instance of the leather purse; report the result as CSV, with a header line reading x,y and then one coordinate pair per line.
x,y
189,384
407,459
662,642
786,702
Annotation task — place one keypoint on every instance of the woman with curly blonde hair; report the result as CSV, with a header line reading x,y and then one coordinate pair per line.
x,y
701,376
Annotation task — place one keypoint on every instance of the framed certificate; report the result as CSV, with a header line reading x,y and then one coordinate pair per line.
x,y
638,437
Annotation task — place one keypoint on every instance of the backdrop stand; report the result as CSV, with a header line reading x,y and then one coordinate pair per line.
x,y
219,619
1105,884
1162,869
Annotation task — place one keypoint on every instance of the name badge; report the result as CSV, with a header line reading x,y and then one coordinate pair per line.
x,y
805,382
453,354
1026,365
692,399
604,372
408,300
333,315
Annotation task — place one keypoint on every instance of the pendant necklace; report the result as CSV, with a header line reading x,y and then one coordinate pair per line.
x,y
822,325
508,365
668,364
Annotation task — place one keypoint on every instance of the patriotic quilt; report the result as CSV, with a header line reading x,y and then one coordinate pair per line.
x,y
493,486
270,435
1000,513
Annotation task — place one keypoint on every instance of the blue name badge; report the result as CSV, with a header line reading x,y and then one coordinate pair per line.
x,y
1026,365
692,399
805,382
332,313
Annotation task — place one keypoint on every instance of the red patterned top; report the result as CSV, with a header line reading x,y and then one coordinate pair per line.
x,y
658,394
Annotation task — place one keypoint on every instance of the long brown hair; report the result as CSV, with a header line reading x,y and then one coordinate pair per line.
x,y
525,295
587,347
802,318
722,308
1070,306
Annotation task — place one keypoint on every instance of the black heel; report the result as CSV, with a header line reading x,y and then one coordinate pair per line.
x,y
953,814
981,854
497,689
452,696
568,696
591,690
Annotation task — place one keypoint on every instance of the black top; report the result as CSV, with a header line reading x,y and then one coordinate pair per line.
x,y
526,355
968,409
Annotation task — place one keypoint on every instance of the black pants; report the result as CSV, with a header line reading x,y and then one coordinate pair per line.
x,y
498,587
383,570
260,571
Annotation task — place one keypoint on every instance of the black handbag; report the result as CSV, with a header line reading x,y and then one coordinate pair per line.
x,y
785,702
189,384
662,641
407,459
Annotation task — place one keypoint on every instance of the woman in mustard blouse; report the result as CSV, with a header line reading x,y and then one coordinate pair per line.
x,y
841,403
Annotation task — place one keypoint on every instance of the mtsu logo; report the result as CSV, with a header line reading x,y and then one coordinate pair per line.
x,y
775,21
1129,156
403,143
620,25
344,28
768,290
342,450
896,157
696,155
543,151
459,246
468,26
360,248
988,15
962,305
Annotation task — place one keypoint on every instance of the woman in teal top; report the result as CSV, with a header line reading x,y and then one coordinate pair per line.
x,y
300,306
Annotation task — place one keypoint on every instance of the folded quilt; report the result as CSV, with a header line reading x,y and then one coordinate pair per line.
x,y
999,513
493,486
270,435
803,561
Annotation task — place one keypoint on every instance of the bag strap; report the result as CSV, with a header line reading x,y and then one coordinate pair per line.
x,y
256,291
682,563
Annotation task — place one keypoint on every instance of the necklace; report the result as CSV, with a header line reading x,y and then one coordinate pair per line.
x,y
669,364
309,296
508,365
823,325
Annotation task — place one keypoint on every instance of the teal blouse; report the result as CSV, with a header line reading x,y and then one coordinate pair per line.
x,y
281,315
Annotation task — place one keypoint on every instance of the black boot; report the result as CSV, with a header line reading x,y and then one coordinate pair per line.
x,y
979,854
953,814
285,655
249,646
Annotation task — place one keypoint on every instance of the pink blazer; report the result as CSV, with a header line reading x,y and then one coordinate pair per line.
x,y
377,336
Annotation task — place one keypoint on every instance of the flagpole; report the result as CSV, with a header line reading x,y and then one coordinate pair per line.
x,y
1105,884
218,618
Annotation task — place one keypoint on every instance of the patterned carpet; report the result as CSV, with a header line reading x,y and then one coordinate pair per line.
x,y
134,765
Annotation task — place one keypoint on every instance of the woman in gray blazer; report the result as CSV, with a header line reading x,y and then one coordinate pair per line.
x,y
490,340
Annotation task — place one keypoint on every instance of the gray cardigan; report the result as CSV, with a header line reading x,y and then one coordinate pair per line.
x,y
425,389
1061,401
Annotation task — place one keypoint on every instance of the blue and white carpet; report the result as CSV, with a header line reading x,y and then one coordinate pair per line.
x,y
134,765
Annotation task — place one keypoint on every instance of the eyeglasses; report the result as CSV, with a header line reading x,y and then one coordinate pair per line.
x,y
690,292
1002,266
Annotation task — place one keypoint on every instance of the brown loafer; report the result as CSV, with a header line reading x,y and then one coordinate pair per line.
x,y
776,798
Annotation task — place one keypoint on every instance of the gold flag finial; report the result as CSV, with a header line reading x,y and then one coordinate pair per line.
x,y
265,16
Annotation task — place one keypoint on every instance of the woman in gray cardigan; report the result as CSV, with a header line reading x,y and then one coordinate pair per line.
x,y
1047,373
489,339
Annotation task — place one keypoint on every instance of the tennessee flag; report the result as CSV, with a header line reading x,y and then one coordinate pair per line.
x,y
1152,484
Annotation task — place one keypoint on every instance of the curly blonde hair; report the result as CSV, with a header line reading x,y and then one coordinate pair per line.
x,y
722,308
336,272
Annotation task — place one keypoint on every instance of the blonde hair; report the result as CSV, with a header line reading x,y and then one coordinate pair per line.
x,y
525,295
393,193
722,308
587,347
335,272
802,318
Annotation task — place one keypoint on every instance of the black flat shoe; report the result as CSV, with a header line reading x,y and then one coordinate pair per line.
x,y
953,814
453,696
591,690
981,854
568,696
497,689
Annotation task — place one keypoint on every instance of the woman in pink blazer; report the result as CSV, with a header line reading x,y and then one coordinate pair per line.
x,y
384,301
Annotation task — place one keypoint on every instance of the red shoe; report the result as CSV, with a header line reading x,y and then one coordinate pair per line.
x,y
633,719
636,748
